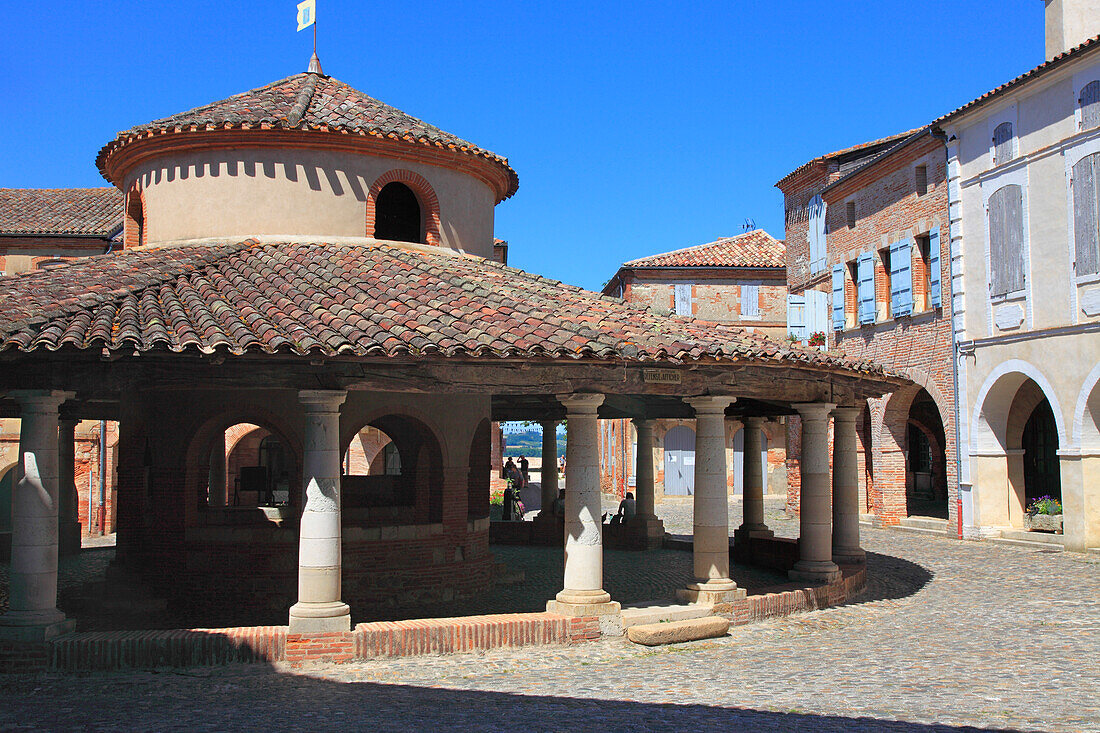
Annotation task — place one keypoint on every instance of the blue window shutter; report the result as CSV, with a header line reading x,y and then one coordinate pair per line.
x,y
865,269
817,234
796,316
935,291
838,297
901,278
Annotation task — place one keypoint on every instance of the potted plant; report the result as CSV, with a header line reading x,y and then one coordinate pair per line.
x,y
1044,515
817,340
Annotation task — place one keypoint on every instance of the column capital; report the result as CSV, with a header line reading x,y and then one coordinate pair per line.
x,y
846,413
643,423
580,403
67,422
710,404
754,421
551,423
811,411
40,399
322,400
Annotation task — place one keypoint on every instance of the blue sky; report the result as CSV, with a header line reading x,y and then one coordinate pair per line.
x,y
636,128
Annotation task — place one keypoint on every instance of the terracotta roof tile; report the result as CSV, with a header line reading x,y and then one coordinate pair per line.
x,y
888,140
95,212
310,101
364,300
751,249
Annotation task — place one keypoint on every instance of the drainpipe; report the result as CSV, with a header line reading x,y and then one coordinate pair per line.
x,y
942,137
102,477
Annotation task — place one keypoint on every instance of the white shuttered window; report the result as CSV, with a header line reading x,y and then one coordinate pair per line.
x,y
1090,105
1086,215
1006,240
683,299
750,301
796,316
1004,143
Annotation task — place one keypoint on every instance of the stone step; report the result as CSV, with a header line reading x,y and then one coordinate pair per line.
x,y
1025,543
1025,536
655,613
1093,550
930,524
709,627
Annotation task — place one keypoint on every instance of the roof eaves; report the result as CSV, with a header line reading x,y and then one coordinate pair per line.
x,y
922,132
1040,70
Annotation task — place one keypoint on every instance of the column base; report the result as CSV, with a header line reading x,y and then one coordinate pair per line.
x,y
315,618
746,531
849,556
713,591
579,603
815,571
34,627
646,532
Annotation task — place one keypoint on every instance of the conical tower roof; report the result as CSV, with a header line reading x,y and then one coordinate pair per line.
x,y
307,102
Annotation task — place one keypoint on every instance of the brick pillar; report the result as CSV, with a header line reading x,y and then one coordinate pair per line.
x,y
583,594
68,516
815,541
319,608
711,535
846,547
32,594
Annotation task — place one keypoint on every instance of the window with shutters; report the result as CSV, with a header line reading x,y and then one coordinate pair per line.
x,y
796,317
816,234
851,294
750,301
1006,240
683,299
922,286
883,287
1090,105
865,278
839,319
921,174
1004,143
1086,215
901,279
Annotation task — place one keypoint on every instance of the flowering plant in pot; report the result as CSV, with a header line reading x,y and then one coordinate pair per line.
x,y
1044,514
817,339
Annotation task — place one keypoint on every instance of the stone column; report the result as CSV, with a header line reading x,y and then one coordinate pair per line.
x,y
711,506
753,483
218,478
583,594
648,532
68,516
549,477
319,607
815,542
32,595
846,547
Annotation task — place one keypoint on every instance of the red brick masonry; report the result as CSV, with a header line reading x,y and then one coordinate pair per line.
x,y
107,650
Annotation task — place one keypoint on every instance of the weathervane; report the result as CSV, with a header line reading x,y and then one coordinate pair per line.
x,y
307,16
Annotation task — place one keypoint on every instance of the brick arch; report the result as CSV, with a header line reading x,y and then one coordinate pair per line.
x,y
890,496
425,195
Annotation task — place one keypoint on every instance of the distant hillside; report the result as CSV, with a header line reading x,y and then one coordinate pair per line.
x,y
529,443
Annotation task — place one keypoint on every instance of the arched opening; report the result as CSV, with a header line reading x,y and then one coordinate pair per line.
x,y
393,473
680,461
1042,474
6,486
134,225
926,459
398,216
258,467
481,468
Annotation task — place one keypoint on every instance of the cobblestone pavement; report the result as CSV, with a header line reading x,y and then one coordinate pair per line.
x,y
950,635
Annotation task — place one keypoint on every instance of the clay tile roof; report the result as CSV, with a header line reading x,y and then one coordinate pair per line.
x,y
88,212
751,249
1039,70
852,150
310,101
360,300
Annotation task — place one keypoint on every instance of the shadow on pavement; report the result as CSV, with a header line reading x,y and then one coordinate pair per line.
x,y
230,700
890,577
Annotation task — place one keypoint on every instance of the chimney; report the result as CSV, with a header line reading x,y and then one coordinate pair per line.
x,y
1069,23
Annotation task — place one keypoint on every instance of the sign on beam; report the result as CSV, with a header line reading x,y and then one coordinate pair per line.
x,y
660,376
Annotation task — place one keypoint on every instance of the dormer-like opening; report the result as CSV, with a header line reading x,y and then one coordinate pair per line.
x,y
398,215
